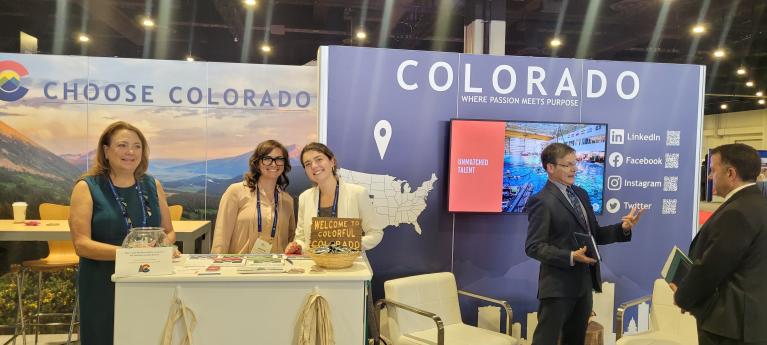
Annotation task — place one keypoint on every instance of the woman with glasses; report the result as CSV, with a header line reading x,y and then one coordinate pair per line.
x,y
331,197
114,195
256,215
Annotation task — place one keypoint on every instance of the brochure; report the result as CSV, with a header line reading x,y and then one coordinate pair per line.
x,y
265,260
204,260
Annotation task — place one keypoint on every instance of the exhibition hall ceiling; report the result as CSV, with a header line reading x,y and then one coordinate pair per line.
x,y
237,31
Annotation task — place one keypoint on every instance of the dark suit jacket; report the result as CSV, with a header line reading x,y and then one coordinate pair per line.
x,y
550,239
726,289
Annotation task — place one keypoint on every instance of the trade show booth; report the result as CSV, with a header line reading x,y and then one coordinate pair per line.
x,y
446,144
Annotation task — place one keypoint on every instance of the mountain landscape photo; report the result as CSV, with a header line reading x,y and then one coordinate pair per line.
x,y
29,172
199,185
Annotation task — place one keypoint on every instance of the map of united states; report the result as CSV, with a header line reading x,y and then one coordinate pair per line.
x,y
393,198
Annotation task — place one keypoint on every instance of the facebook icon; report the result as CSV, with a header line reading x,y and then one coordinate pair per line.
x,y
616,136
615,159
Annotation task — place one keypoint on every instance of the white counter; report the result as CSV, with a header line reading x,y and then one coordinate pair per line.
x,y
234,308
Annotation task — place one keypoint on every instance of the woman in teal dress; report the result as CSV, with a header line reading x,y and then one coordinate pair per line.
x,y
114,195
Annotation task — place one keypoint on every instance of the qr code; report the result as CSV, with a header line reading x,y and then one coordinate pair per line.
x,y
669,183
672,160
669,206
672,138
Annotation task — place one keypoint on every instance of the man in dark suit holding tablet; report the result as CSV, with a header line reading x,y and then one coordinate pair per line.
x,y
726,288
568,273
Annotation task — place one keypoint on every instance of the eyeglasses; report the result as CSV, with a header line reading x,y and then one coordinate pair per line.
x,y
569,166
267,160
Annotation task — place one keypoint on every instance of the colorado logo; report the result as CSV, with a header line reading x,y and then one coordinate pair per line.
x,y
10,81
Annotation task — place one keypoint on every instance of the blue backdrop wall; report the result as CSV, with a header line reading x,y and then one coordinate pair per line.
x,y
654,116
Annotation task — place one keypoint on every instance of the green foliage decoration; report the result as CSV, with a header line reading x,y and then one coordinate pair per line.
x,y
58,296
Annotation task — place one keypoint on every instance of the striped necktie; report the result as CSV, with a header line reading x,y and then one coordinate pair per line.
x,y
577,206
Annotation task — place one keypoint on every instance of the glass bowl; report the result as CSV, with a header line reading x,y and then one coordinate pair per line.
x,y
147,237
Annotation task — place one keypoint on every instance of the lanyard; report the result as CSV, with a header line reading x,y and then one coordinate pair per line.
x,y
334,210
123,204
276,209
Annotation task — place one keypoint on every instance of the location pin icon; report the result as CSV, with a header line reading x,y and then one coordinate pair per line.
x,y
382,135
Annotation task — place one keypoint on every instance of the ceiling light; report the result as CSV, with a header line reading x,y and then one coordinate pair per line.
x,y
361,34
83,38
555,42
741,71
190,58
266,48
750,83
759,94
719,53
250,3
723,106
698,29
761,101
147,22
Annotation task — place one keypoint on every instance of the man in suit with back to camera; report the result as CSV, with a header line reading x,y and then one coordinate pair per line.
x,y
726,287
567,274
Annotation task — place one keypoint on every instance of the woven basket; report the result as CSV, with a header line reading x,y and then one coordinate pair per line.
x,y
334,261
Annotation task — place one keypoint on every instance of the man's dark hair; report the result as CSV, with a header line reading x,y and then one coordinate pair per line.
x,y
555,151
743,158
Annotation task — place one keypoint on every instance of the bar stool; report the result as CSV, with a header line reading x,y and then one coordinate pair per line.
x,y
18,325
61,257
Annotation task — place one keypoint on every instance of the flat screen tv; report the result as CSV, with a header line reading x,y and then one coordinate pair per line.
x,y
495,166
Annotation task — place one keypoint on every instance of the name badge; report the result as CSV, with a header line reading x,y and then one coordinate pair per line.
x,y
261,247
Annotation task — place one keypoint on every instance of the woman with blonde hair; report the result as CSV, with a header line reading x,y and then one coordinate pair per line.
x,y
256,215
114,195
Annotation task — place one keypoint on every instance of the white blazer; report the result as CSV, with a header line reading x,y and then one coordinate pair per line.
x,y
353,202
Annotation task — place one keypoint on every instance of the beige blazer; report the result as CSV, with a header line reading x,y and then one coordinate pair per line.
x,y
237,221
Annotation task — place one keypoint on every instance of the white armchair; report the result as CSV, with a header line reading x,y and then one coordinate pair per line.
x,y
424,309
668,326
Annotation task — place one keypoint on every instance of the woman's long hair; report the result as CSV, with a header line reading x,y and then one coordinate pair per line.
x,y
262,150
100,164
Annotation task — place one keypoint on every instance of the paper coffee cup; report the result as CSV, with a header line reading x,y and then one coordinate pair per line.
x,y
19,211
